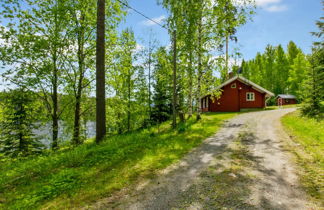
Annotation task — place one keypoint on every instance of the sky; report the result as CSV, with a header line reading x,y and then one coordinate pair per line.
x,y
275,22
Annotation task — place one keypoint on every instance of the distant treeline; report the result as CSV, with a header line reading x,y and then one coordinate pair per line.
x,y
284,71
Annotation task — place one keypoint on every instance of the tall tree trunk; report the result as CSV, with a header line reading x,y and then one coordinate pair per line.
x,y
78,94
149,84
22,147
128,101
190,84
198,117
314,90
226,59
55,104
174,99
55,85
77,113
100,73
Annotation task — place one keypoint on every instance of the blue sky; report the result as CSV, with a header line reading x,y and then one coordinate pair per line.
x,y
275,22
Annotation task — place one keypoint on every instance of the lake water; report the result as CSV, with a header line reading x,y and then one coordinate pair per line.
x,y
44,133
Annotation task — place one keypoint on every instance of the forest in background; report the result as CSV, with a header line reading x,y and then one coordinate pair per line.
x,y
280,71
49,56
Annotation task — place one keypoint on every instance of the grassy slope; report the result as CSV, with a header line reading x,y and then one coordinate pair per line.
x,y
1,115
80,176
309,136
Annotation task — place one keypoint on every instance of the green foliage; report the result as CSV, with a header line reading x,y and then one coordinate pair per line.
x,y
76,177
66,181
128,109
282,70
298,74
292,52
161,110
279,71
19,119
200,27
309,135
313,87
52,51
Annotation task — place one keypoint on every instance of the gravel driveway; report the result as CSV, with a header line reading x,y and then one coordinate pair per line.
x,y
207,179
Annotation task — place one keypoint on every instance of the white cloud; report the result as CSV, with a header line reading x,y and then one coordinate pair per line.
x,y
263,3
159,20
139,47
276,8
271,5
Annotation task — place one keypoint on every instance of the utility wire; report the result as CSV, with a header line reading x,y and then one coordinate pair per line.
x,y
140,13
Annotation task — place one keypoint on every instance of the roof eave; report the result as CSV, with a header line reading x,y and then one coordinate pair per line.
x,y
244,80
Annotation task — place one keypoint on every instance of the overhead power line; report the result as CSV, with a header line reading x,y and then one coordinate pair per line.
x,y
142,14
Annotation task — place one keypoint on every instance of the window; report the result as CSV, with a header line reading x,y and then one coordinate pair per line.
x,y
233,85
249,96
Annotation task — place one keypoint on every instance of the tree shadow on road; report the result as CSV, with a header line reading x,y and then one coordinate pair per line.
x,y
228,183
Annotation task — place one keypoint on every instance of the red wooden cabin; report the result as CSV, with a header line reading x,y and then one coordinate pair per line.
x,y
283,99
237,93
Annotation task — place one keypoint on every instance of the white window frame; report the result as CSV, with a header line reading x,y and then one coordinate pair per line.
x,y
233,85
250,96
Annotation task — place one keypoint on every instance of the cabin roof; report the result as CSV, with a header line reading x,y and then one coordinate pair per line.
x,y
286,96
247,82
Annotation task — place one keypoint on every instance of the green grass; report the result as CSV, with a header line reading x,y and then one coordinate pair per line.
x,y
284,107
1,110
80,176
1,117
309,135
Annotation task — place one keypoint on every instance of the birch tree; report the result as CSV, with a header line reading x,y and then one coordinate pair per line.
x,y
36,31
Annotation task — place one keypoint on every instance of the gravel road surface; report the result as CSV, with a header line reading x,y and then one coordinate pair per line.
x,y
272,182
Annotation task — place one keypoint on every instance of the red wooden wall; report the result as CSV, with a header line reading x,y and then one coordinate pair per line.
x,y
286,101
234,99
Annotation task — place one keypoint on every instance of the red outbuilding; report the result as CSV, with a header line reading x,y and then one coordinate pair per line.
x,y
286,99
237,93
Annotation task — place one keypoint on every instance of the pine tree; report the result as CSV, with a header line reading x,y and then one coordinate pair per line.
x,y
17,124
161,110
314,85
162,98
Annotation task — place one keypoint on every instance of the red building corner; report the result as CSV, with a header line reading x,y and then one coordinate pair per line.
x,y
237,93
